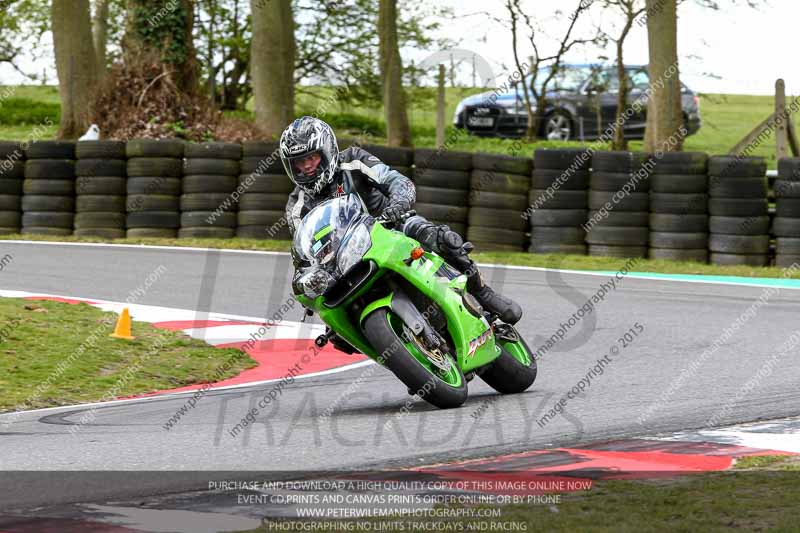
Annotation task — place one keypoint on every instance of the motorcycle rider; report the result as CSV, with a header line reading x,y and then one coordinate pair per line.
x,y
312,160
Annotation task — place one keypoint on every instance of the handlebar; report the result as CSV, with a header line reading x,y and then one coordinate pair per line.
x,y
408,214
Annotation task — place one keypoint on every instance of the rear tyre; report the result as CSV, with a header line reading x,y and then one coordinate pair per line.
x,y
407,361
515,370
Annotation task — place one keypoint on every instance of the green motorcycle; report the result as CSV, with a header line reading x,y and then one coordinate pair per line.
x,y
382,295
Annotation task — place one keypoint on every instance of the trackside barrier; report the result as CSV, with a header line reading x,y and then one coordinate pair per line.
x,y
680,206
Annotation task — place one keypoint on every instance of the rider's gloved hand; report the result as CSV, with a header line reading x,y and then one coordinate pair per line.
x,y
394,213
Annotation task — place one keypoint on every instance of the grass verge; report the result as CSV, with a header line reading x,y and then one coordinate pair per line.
x,y
568,262
727,118
54,353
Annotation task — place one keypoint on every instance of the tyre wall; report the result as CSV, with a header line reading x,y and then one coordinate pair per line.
x,y
679,206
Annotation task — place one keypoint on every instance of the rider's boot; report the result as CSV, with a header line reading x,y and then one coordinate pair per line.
x,y
507,309
455,250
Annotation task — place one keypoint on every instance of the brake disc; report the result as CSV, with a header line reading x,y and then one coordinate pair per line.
x,y
439,359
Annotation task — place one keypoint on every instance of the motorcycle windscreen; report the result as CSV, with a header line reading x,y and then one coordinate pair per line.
x,y
321,232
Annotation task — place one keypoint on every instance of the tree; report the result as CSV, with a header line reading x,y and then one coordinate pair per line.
x,y
75,63
22,25
664,112
224,31
630,9
336,44
100,34
272,64
539,91
391,68
162,33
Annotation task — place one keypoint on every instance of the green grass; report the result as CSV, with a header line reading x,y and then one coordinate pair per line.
x,y
41,93
25,132
568,262
29,112
24,111
768,462
37,336
759,461
726,119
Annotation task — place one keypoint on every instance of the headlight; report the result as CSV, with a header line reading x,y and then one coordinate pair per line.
x,y
517,107
354,248
314,282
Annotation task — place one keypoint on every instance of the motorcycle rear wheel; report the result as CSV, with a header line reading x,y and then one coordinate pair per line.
x,y
443,389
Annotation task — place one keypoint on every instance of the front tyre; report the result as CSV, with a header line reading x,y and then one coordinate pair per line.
x,y
515,369
406,358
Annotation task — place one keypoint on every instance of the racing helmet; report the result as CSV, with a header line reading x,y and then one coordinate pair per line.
x,y
304,142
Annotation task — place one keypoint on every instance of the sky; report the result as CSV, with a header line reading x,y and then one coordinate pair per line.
x,y
737,49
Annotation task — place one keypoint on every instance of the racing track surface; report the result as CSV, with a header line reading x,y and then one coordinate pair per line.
x,y
680,321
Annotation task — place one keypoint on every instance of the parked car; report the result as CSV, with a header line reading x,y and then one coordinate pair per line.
x,y
573,98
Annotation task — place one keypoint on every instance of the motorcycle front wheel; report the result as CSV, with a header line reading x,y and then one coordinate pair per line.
x,y
408,359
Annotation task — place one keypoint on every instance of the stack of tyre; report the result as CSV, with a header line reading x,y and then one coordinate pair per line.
x,y
12,172
210,172
619,203
557,200
499,186
265,190
786,226
739,223
679,207
48,203
442,182
154,187
100,189
399,159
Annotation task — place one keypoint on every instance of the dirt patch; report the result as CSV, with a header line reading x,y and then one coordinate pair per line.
x,y
143,101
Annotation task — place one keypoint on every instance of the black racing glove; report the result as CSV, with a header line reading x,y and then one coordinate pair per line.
x,y
394,213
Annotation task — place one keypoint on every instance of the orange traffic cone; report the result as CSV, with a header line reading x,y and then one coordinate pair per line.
x,y
123,328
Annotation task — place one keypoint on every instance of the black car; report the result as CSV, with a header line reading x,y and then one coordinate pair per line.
x,y
575,96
